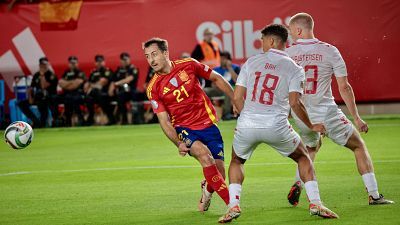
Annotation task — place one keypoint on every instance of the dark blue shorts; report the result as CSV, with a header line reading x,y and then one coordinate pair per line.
x,y
211,137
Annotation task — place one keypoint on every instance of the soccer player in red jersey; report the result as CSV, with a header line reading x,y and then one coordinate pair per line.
x,y
186,114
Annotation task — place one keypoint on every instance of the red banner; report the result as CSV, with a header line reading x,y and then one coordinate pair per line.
x,y
366,33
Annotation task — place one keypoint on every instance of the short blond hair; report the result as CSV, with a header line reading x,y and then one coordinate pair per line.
x,y
303,19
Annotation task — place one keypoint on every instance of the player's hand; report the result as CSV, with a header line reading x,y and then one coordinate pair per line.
x,y
235,110
362,126
183,149
228,63
319,127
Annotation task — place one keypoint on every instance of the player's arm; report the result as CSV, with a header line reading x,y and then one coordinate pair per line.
x,y
296,85
298,107
170,132
346,91
224,86
221,84
238,97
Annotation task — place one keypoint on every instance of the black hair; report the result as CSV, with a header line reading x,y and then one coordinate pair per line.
x,y
226,54
276,30
161,43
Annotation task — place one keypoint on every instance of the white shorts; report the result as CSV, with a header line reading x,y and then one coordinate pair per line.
x,y
338,128
281,137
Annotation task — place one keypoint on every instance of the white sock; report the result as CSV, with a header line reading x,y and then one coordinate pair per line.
x,y
371,184
208,194
234,194
313,192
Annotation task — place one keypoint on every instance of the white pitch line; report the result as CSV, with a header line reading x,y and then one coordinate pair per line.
x,y
175,167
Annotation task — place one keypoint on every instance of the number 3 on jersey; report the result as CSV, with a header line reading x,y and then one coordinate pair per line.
x,y
311,82
263,99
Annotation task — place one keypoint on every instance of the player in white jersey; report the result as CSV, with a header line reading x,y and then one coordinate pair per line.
x,y
320,61
272,84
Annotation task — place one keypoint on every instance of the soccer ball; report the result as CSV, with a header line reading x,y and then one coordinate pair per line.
x,y
18,135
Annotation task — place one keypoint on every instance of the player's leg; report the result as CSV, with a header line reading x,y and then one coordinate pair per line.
x,y
366,168
211,173
288,143
210,137
244,143
236,178
342,132
312,141
307,175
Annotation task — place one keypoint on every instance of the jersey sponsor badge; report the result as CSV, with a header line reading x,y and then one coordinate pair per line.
x,y
183,76
174,82
154,104
165,91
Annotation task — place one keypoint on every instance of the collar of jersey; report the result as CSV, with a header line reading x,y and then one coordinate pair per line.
x,y
172,67
311,40
279,52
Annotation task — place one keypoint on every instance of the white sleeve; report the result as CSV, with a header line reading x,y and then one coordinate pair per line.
x,y
243,76
338,64
296,83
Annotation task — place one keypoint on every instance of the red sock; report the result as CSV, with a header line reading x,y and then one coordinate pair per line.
x,y
209,188
217,182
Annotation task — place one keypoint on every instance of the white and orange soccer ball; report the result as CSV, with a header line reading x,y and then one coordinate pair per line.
x,y
18,135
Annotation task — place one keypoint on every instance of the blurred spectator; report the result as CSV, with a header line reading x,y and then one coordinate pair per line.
x,y
96,90
207,52
185,55
123,86
72,83
43,93
230,72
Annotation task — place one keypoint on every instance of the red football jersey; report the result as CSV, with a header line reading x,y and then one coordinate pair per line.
x,y
179,94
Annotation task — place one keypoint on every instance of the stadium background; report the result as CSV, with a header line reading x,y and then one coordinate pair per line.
x,y
366,32
133,174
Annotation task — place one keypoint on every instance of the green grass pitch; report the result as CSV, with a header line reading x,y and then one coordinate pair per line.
x,y
134,175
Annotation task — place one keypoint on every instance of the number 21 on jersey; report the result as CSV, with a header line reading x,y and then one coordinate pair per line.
x,y
267,88
178,92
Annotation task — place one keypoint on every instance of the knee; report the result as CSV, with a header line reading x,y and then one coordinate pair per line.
x,y
312,150
201,153
300,154
236,159
205,158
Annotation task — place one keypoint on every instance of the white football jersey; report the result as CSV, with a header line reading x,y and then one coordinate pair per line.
x,y
268,78
320,61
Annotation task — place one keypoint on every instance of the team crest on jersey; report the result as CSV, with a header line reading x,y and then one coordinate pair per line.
x,y
154,104
174,82
165,91
183,76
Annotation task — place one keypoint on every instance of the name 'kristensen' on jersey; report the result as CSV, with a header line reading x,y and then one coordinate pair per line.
x,y
307,57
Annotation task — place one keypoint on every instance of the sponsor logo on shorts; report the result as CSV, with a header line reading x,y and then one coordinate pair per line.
x,y
188,142
221,153
344,120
